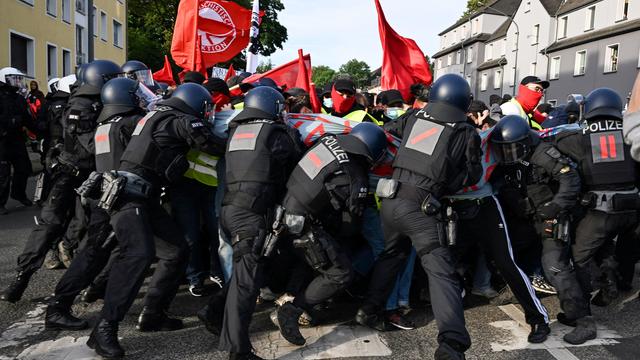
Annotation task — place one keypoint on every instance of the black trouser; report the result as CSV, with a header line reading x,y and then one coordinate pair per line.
x,y
13,153
595,233
527,249
483,222
244,228
77,227
50,224
88,262
405,224
135,223
333,277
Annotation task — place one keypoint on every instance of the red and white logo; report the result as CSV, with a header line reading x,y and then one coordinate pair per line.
x,y
217,30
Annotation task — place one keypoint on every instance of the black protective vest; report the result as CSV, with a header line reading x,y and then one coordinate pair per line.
x,y
110,145
607,159
425,146
79,123
307,181
248,155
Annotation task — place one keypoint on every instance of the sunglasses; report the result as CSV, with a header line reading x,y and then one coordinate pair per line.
x,y
536,88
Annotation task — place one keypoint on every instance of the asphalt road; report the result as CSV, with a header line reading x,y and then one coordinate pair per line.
x,y
497,333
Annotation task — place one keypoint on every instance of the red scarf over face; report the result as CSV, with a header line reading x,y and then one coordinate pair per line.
x,y
340,104
528,98
220,100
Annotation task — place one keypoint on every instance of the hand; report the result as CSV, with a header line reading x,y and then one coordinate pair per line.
x,y
549,210
226,107
634,103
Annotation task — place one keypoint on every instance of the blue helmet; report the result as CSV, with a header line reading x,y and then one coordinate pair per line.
x,y
262,102
193,99
98,72
512,139
603,102
372,137
452,90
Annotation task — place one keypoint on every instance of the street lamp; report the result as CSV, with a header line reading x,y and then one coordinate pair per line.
x,y
515,61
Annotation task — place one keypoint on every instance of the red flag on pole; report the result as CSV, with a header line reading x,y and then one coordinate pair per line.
x,y
403,63
165,74
230,73
304,81
222,27
283,75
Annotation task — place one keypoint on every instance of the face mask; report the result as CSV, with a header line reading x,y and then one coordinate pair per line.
x,y
392,113
340,104
327,102
528,98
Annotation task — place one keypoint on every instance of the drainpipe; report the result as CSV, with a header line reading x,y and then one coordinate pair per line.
x,y
90,22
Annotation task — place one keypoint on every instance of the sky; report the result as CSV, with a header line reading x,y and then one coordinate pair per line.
x,y
336,31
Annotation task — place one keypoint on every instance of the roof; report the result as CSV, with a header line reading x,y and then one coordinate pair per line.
x,y
459,46
492,63
500,31
570,5
618,29
496,7
552,5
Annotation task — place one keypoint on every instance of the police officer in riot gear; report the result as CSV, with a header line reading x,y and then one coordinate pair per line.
x,y
119,116
326,196
13,151
261,153
155,156
440,154
549,186
75,162
137,70
609,177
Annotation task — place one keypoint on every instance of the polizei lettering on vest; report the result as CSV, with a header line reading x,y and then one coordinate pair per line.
x,y
604,125
331,142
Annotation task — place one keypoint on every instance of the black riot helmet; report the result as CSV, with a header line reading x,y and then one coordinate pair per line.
x,y
99,72
603,102
512,139
262,102
368,140
137,70
450,97
119,96
193,99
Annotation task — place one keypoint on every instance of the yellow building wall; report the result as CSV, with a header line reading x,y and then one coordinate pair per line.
x,y
106,49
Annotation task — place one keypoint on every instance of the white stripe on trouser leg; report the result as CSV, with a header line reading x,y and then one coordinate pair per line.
x,y
525,278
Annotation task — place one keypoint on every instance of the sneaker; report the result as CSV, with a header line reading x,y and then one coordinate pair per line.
x,y
65,255
217,280
488,293
285,298
505,297
396,319
196,290
52,261
404,310
3,210
540,284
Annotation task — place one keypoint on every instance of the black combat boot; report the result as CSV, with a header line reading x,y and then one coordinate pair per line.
x,y
151,320
92,293
449,352
288,315
539,333
59,317
14,291
585,330
212,319
104,340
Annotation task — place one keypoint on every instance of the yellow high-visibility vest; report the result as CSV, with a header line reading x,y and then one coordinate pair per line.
x,y
202,167
532,123
360,115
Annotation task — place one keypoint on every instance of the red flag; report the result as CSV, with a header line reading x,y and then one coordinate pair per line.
x,y
304,81
165,74
222,27
230,73
200,64
283,75
403,63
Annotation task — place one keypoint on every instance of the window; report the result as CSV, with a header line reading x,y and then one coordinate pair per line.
x,y
117,34
638,59
66,11
459,57
52,61
580,66
512,77
590,19
94,21
535,34
449,59
555,68
503,51
562,28
103,26
22,53
51,8
439,63
464,32
66,62
469,55
468,77
623,10
475,26
455,37
484,81
497,79
444,41
488,54
79,45
81,6
30,2
533,68
611,59
527,6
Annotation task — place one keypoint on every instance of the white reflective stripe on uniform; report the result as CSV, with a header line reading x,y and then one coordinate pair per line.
x,y
208,159
101,139
203,169
142,123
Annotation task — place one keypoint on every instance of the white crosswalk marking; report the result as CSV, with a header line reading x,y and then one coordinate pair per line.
x,y
68,348
19,332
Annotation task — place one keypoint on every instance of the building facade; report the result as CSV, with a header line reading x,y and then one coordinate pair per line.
x,y
50,38
577,44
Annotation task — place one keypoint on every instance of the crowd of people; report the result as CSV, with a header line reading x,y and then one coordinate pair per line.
x,y
508,201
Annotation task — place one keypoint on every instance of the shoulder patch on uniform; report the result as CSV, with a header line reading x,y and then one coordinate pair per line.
x,y
197,124
553,152
162,108
116,119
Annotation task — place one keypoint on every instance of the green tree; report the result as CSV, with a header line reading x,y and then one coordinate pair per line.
x,y
472,6
359,71
150,29
322,75
263,67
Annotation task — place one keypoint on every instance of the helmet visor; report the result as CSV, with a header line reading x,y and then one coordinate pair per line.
x,y
510,154
147,98
144,76
15,80
209,112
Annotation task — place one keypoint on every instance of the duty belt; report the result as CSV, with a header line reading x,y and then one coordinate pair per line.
x,y
410,191
136,185
605,200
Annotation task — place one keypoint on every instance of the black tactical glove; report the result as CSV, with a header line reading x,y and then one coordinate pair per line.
x,y
549,210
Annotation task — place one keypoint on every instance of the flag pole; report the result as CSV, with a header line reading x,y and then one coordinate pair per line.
x,y
252,49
